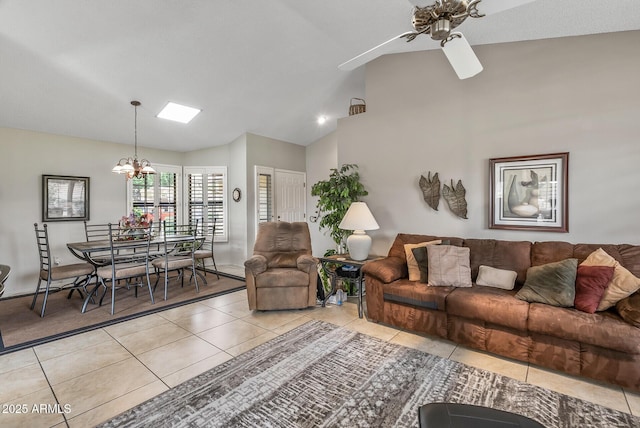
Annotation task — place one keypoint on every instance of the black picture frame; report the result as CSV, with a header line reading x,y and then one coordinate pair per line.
x,y
65,198
530,193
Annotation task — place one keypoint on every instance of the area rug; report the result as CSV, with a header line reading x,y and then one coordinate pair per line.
x,y
320,375
21,327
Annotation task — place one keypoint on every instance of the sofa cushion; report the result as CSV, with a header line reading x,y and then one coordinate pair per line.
x,y
551,283
449,266
591,282
417,294
629,309
412,263
603,329
509,255
623,283
490,305
498,278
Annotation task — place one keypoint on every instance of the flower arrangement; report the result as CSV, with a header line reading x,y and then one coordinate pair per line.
x,y
135,220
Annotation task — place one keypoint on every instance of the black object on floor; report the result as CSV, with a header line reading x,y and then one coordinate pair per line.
x,y
452,415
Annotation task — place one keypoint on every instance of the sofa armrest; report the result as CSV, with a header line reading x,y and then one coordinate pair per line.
x,y
386,270
256,264
307,263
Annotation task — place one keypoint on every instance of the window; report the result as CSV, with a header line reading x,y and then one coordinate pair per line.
x,y
265,197
205,191
157,194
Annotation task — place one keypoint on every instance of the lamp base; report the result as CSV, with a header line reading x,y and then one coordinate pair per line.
x,y
359,245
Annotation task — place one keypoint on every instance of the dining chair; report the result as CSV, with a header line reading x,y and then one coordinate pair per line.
x,y
129,261
5,270
96,231
206,249
80,273
180,244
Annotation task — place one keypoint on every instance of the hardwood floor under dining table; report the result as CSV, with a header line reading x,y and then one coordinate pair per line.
x,y
98,252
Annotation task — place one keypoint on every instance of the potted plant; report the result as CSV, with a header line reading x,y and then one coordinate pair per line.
x,y
335,195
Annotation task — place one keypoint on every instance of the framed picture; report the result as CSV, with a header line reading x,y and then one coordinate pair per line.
x,y
529,193
65,198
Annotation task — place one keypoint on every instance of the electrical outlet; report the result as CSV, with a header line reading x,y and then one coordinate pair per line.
x,y
57,260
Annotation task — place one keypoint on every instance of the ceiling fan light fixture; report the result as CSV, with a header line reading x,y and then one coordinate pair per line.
x,y
178,112
461,57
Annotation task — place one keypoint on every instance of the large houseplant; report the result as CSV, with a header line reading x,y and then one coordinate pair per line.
x,y
335,195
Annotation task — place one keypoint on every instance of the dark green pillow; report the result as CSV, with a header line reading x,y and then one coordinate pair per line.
x,y
552,283
420,253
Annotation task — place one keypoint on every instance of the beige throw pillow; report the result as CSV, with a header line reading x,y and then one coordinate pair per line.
x,y
412,263
498,278
623,284
449,266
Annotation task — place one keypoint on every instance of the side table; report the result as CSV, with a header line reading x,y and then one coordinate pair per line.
x,y
338,260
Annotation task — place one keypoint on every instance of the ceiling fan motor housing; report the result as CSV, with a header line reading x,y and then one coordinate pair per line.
x,y
442,17
440,29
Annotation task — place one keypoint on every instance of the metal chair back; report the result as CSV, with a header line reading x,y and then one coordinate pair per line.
x,y
5,270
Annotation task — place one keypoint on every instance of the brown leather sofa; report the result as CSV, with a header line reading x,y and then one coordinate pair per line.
x,y
601,346
282,273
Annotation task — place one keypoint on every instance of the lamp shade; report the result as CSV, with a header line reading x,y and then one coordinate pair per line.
x,y
358,217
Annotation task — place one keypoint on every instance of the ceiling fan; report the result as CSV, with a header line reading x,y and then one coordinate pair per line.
x,y
438,20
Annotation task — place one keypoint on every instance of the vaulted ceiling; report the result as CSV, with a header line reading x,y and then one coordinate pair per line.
x,y
267,67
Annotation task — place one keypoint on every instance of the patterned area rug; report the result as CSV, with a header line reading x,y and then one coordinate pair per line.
x,y
320,375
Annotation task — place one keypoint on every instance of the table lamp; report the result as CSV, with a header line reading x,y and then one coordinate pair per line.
x,y
358,218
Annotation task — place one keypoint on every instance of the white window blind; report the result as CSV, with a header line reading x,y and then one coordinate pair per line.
x,y
265,198
206,198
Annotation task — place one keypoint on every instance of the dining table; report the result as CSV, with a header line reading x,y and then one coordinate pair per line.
x,y
98,252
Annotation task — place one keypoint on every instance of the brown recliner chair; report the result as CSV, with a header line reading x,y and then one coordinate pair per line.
x,y
282,273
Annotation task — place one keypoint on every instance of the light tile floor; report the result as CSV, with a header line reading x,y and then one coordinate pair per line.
x,y
86,379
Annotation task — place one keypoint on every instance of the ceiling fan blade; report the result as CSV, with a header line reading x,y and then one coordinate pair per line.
x,y
373,53
461,57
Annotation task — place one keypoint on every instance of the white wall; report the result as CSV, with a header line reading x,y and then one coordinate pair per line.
x,y
577,95
322,156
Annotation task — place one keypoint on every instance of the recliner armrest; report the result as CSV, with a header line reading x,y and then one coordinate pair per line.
x,y
256,264
386,270
307,263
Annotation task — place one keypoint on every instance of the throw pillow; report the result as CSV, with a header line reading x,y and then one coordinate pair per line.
x,y
623,283
551,283
499,278
412,263
420,254
629,309
449,266
591,282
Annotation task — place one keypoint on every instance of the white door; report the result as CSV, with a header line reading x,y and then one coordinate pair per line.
x,y
290,195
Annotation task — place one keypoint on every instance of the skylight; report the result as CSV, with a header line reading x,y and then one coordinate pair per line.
x,y
178,113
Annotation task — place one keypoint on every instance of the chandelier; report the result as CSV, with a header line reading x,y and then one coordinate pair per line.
x,y
132,167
